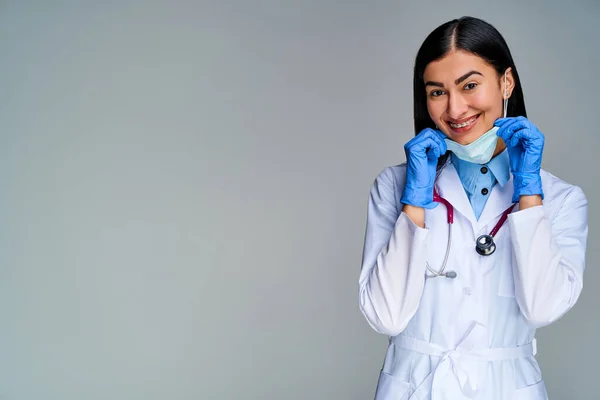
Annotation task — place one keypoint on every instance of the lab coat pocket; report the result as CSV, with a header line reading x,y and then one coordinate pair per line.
x,y
536,391
391,388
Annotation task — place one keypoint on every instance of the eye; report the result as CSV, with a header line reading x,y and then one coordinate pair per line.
x,y
436,93
470,86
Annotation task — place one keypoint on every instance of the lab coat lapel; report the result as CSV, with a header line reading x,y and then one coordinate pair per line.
x,y
500,199
450,187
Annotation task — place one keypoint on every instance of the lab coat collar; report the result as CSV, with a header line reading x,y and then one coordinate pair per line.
x,y
449,186
500,199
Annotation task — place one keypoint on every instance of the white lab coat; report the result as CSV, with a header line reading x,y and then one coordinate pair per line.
x,y
471,337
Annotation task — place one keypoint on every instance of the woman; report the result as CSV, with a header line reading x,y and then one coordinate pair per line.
x,y
462,323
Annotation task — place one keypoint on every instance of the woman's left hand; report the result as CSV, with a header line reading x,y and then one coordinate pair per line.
x,y
525,144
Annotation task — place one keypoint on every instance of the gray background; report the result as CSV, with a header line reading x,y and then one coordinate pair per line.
x,y
184,189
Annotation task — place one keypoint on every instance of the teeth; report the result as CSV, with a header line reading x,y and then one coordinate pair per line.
x,y
463,124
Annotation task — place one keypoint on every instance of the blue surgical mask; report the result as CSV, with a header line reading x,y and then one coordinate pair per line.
x,y
482,150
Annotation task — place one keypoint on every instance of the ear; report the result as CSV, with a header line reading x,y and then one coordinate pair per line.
x,y
510,83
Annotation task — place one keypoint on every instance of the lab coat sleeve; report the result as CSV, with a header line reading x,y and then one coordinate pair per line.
x,y
549,258
393,264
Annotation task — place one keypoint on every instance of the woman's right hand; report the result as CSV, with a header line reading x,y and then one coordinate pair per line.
x,y
422,154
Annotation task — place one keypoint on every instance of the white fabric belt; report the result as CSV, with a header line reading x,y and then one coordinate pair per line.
x,y
457,362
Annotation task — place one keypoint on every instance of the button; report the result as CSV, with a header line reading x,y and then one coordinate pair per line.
x,y
484,170
484,191
467,291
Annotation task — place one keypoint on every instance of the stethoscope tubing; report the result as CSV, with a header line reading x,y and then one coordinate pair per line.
x,y
484,245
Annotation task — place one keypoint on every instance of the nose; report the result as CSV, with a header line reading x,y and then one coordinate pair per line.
x,y
457,106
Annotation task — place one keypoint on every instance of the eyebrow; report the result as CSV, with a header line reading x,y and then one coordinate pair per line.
x,y
457,81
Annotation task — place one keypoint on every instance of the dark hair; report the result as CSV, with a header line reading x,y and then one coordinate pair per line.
x,y
474,36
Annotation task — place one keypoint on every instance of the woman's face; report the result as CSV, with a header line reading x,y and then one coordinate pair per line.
x,y
464,95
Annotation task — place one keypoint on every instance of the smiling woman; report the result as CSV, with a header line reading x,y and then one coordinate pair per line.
x,y
464,107
472,335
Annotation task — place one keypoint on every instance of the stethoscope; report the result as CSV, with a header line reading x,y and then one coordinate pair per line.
x,y
484,245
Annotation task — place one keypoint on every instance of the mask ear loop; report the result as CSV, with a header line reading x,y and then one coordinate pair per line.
x,y
505,95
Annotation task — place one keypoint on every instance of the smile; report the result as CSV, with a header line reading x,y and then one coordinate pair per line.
x,y
470,121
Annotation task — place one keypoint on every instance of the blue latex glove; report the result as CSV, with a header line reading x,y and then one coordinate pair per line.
x,y
525,144
422,153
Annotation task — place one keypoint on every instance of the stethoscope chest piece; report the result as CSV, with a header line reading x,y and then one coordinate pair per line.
x,y
485,245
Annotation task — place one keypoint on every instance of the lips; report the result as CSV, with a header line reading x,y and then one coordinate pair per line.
x,y
463,125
